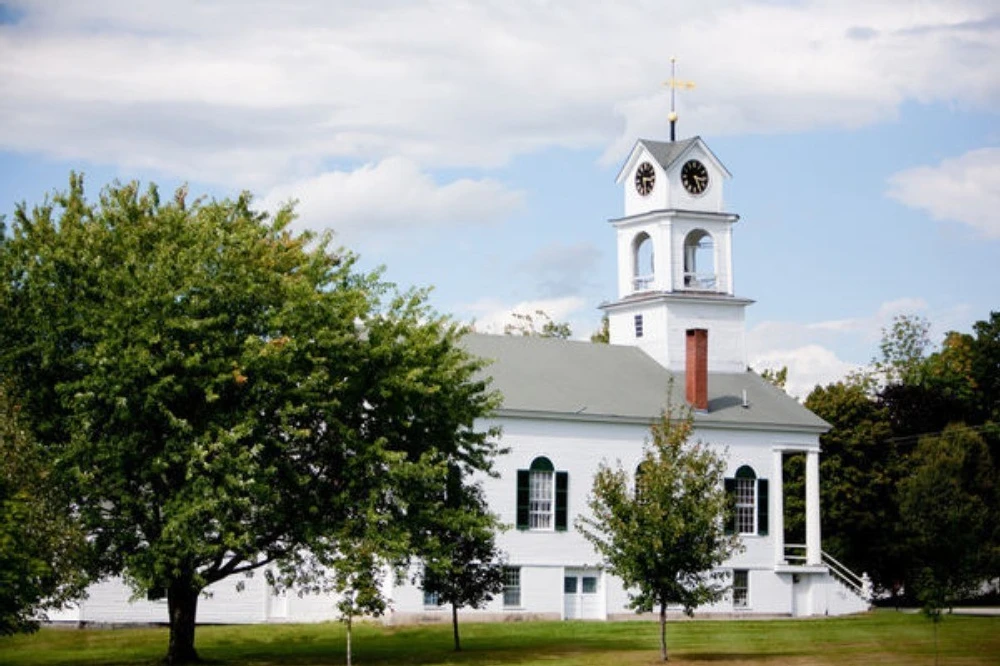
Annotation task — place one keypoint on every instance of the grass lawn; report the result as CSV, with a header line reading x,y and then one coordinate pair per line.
x,y
884,637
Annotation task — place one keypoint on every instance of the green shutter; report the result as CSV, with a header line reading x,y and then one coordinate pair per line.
x,y
522,499
730,520
562,500
762,507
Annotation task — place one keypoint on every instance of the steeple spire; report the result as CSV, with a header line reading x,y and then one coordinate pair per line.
x,y
675,83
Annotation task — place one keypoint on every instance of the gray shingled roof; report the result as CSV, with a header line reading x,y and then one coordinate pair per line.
x,y
570,379
665,152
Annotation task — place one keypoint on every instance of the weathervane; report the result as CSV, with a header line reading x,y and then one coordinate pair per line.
x,y
674,84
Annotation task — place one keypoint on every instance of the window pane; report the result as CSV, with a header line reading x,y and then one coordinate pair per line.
x,y
589,585
540,500
569,584
512,587
745,505
741,588
431,599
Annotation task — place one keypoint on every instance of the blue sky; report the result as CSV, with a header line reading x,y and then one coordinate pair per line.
x,y
472,147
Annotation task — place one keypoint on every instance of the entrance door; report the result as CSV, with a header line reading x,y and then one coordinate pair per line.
x,y
581,595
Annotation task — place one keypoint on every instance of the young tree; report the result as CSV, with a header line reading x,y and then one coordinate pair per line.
x,y
462,564
42,547
665,538
603,334
217,391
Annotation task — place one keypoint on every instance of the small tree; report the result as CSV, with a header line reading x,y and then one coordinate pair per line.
x,y
665,538
462,564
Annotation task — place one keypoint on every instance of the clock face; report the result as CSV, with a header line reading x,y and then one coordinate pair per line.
x,y
645,178
694,177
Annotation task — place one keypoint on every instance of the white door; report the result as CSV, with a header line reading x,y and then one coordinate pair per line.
x,y
581,595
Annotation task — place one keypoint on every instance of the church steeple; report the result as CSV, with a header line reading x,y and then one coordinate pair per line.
x,y
675,260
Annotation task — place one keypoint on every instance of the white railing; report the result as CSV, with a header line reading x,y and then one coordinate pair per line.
x,y
700,281
795,553
642,282
861,585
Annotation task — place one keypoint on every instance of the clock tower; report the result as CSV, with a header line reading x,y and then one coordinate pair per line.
x,y
675,262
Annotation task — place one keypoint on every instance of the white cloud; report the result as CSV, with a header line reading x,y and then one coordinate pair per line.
x,y
807,348
254,94
808,366
963,189
393,194
560,269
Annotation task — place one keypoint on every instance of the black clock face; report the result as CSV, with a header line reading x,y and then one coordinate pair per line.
x,y
694,177
645,178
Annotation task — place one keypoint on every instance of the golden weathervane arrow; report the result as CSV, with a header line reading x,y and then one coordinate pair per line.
x,y
674,83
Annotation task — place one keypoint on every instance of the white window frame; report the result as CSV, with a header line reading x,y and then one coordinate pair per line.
x,y
746,506
511,587
741,588
541,501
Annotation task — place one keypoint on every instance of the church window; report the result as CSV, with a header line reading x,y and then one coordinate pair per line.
x,y
748,499
642,262
542,497
741,588
512,587
699,261
638,326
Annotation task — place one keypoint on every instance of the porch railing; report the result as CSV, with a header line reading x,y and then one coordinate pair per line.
x,y
795,554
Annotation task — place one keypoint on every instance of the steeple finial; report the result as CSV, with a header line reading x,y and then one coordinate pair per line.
x,y
675,83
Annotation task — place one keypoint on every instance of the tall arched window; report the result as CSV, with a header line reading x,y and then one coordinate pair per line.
x,y
642,262
542,497
748,502
699,261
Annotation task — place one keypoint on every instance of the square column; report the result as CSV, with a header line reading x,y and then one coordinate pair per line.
x,y
777,508
814,555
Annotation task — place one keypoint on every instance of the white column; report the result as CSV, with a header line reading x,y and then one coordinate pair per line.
x,y
777,508
813,553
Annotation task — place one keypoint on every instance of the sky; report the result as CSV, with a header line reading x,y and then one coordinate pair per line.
x,y
472,147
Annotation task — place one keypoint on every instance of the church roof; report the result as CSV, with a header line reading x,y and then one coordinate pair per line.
x,y
666,153
552,378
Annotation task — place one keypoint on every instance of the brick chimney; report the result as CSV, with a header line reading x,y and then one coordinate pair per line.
x,y
696,368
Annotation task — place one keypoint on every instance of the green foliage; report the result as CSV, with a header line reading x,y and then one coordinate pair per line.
x,y
775,377
42,548
528,324
216,391
904,346
859,468
603,334
462,562
946,507
665,538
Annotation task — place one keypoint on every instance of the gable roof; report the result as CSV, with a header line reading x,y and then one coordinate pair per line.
x,y
667,153
567,379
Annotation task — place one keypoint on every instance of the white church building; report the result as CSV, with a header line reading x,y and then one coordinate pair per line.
x,y
570,405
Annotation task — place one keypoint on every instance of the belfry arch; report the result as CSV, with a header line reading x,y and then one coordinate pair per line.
x,y
699,261
642,262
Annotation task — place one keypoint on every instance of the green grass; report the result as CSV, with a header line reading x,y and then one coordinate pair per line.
x,y
882,638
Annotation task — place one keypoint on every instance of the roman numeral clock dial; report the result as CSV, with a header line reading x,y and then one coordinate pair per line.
x,y
694,177
645,178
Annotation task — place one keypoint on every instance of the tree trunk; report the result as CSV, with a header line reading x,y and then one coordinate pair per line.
x,y
182,606
663,632
348,640
454,625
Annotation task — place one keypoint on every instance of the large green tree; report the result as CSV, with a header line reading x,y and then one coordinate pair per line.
x,y
661,528
42,547
946,507
217,391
